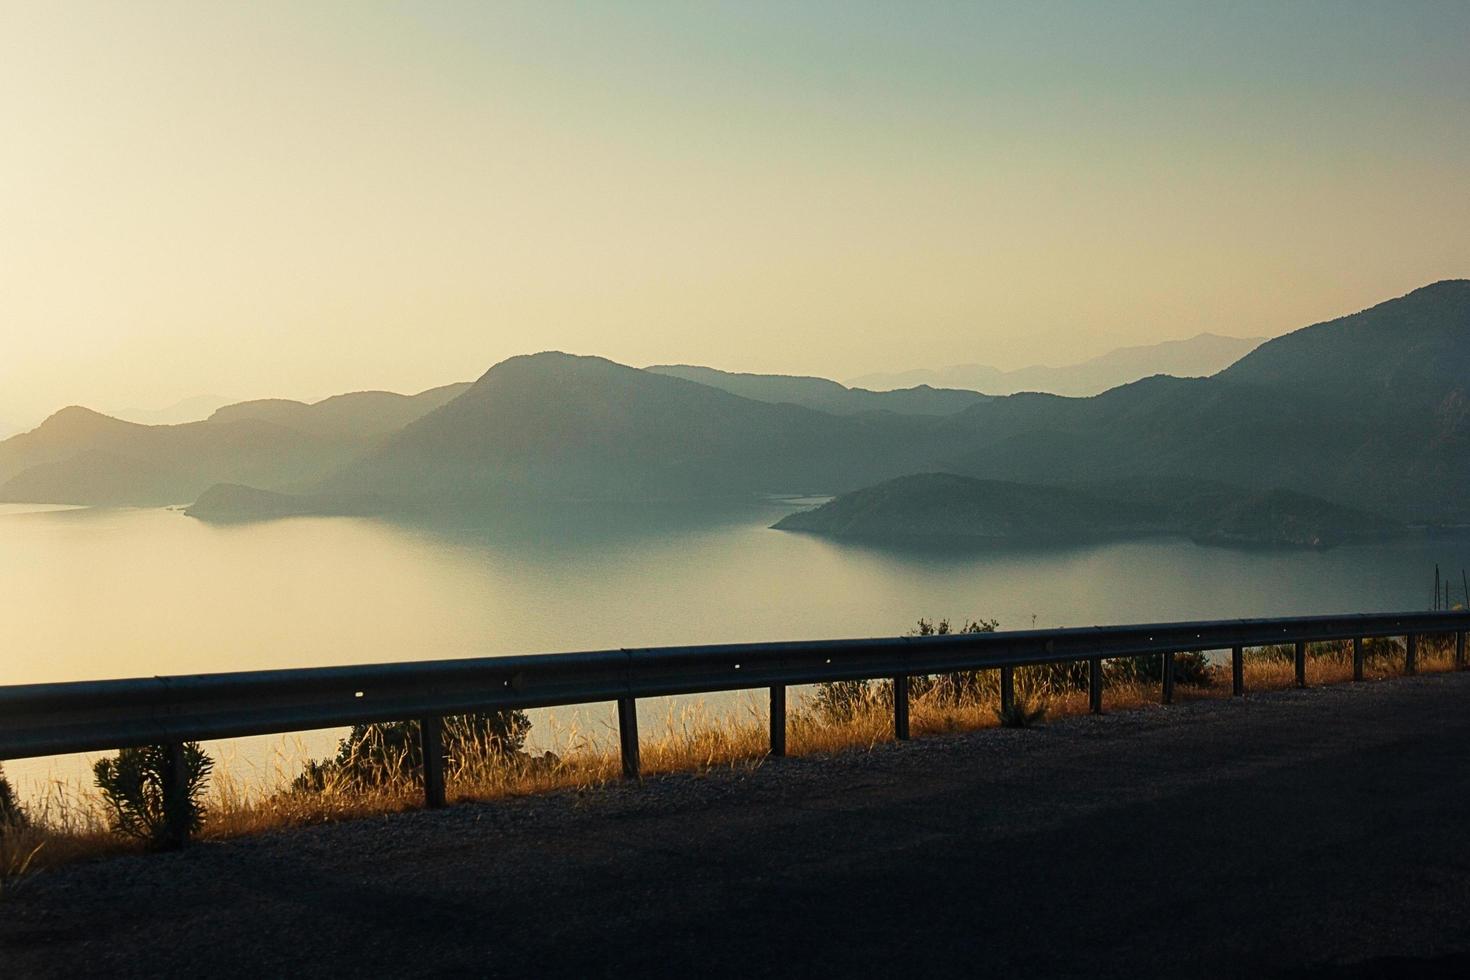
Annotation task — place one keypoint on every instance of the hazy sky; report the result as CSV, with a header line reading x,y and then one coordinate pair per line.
x,y
304,198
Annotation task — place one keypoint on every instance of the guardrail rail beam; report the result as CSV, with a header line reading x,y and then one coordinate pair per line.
x,y
103,716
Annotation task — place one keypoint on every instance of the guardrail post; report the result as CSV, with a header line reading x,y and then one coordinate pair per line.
x,y
1460,650
1301,663
1237,671
176,794
778,720
1357,658
901,708
1094,685
1168,672
628,735
1007,690
431,740
1411,654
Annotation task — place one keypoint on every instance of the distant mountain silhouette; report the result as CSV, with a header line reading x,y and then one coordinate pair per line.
x,y
363,414
564,427
824,395
80,456
1369,412
195,409
1329,410
1199,356
943,508
1404,356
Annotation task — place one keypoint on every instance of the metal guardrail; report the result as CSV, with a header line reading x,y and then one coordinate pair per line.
x,y
87,716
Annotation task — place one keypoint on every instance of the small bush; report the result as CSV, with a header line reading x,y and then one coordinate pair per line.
x,y
1279,653
1189,668
1021,714
134,787
1378,651
837,702
390,753
961,686
12,817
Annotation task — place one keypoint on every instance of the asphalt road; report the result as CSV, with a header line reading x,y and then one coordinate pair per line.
x,y
1320,833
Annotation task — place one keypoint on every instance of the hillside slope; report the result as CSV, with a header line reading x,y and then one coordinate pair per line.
x,y
944,508
564,427
79,456
1370,411
360,414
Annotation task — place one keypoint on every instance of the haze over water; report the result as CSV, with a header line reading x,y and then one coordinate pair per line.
x,y
121,593
93,594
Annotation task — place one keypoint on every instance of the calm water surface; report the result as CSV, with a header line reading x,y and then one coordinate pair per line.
x,y
118,593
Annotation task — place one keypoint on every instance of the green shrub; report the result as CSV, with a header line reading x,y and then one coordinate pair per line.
x,y
839,701
961,686
11,814
389,753
1378,651
1189,668
134,787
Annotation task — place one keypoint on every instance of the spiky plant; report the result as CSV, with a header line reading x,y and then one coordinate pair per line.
x,y
143,802
12,817
1020,713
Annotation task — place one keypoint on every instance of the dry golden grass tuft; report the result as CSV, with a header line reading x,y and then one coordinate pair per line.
x,y
63,824
68,824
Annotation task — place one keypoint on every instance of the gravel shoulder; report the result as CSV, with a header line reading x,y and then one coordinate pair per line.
x,y
1311,833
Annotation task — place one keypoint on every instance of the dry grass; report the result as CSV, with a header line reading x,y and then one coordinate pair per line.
x,y
64,824
68,824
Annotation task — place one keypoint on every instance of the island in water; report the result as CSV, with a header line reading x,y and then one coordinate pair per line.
x,y
947,508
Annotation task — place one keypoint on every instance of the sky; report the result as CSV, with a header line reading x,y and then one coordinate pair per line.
x,y
293,199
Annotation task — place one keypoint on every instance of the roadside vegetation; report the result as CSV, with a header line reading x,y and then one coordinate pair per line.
x,y
376,769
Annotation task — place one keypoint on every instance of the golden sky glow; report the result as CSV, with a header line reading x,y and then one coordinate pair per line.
x,y
298,199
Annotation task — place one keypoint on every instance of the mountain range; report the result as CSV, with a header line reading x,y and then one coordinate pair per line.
x,y
565,427
194,409
1368,410
78,456
1198,356
1366,413
824,395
